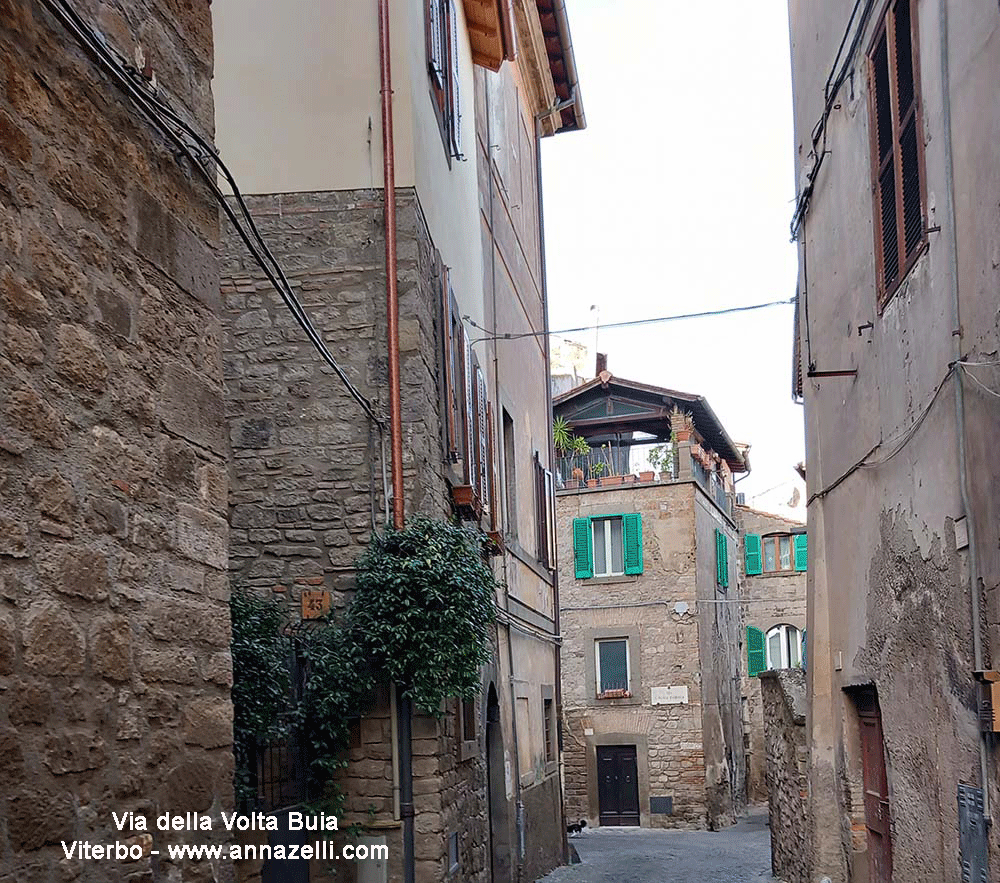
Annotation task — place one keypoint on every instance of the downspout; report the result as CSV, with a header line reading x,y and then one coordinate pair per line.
x,y
548,412
404,711
970,520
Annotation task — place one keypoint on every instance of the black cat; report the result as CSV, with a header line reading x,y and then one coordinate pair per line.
x,y
576,827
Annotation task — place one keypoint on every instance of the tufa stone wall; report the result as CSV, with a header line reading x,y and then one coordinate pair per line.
x,y
306,472
114,622
769,599
787,754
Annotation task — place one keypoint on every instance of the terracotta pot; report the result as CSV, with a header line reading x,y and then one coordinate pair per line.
x,y
612,480
666,476
683,435
572,483
628,479
647,476
591,482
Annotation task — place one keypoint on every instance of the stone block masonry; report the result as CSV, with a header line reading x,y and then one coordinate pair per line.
x,y
306,475
114,622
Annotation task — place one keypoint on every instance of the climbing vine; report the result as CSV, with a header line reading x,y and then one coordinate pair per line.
x,y
421,617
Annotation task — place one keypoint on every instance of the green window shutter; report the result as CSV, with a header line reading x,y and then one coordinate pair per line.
x,y
718,560
583,553
800,541
721,559
632,534
756,658
752,554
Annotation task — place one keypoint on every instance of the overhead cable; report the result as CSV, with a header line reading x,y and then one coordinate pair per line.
x,y
507,335
206,161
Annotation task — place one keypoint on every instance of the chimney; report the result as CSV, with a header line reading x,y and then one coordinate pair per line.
x,y
602,364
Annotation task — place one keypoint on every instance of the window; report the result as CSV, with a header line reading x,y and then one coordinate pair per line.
x,y
784,647
453,372
612,666
721,560
442,68
467,719
509,474
607,545
545,528
550,744
453,862
775,553
896,147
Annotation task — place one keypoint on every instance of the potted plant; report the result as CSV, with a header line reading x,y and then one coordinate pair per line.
x,y
660,459
561,438
597,470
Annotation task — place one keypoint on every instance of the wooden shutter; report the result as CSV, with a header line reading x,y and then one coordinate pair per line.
x,y
583,553
455,89
753,563
896,147
435,41
721,559
632,534
756,657
491,457
482,435
800,544
470,413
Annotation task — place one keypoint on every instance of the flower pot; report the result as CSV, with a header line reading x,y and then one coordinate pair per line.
x,y
572,483
647,476
628,479
612,480
666,476
591,482
683,435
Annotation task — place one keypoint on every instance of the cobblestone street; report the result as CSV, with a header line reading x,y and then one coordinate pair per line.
x,y
740,854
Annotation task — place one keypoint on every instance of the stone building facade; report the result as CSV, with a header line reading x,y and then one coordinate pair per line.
x,y
307,469
783,696
650,614
897,297
114,624
773,608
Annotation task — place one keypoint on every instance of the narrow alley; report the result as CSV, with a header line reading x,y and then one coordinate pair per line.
x,y
740,854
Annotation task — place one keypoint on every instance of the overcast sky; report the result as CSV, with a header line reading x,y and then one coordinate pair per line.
x,y
677,198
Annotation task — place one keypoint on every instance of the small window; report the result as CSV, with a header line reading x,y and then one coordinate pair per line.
x,y
509,474
609,548
467,713
612,664
545,528
784,647
453,862
896,147
607,545
782,553
550,744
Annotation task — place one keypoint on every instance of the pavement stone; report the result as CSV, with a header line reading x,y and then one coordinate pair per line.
x,y
740,854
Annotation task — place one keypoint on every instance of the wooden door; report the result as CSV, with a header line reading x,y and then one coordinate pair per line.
x,y
617,785
876,783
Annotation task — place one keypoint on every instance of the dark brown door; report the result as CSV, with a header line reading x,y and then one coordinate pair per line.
x,y
617,785
876,783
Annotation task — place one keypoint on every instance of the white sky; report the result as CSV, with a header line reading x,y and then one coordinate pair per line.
x,y
677,198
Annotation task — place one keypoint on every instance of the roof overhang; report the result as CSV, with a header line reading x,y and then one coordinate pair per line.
x,y
491,31
567,112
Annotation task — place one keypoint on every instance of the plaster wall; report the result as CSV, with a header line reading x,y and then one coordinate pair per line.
x,y
889,599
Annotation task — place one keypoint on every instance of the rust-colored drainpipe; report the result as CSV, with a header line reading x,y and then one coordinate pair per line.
x,y
404,710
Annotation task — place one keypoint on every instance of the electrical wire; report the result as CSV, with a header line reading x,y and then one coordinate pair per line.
x,y
205,159
493,335
976,380
831,89
898,443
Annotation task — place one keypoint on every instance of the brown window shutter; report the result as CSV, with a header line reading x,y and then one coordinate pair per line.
x,y
470,412
482,437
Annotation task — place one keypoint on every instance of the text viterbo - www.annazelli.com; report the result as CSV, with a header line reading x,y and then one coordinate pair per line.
x,y
133,849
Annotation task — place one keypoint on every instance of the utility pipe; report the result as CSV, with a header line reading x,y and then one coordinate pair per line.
x,y
404,710
970,519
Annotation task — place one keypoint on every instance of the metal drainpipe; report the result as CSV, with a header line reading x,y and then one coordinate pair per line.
x,y
548,405
970,521
404,711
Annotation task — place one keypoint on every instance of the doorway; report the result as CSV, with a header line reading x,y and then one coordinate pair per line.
x,y
617,785
876,785
496,783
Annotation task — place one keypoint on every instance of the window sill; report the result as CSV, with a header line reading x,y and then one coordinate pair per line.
x,y
614,694
608,580
469,749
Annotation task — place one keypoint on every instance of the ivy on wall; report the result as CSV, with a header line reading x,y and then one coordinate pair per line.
x,y
422,617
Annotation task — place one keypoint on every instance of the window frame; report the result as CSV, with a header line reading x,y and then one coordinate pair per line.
x,y
886,27
548,728
608,544
603,694
783,630
775,537
444,85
